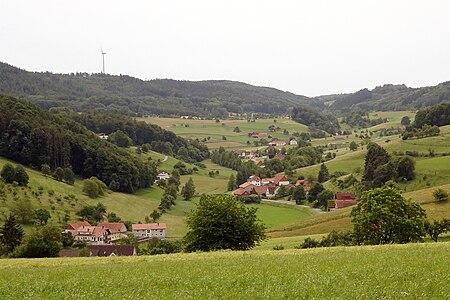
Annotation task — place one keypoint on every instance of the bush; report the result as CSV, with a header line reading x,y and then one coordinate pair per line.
x,y
309,243
440,195
94,187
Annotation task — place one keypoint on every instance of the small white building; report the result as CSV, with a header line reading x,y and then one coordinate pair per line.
x,y
163,176
277,143
153,230
293,143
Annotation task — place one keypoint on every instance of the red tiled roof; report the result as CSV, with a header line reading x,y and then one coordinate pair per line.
x,y
245,184
261,190
279,156
345,196
114,227
74,226
344,203
148,226
279,178
240,192
91,231
254,178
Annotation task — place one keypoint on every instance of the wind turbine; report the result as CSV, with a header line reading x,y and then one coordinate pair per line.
x,y
103,58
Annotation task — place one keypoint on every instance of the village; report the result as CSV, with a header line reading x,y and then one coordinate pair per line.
x,y
101,239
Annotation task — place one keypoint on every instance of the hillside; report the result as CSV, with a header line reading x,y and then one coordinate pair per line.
x,y
82,92
370,272
390,97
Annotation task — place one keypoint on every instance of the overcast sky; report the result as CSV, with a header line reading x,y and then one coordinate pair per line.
x,y
306,47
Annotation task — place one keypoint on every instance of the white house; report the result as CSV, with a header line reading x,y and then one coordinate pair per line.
x,y
255,180
102,135
277,143
152,230
293,143
163,176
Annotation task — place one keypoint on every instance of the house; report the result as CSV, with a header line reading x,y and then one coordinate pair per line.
x,y
280,180
92,234
277,143
152,230
102,135
247,186
117,230
72,227
280,156
243,192
305,183
163,176
261,164
112,250
255,180
247,154
293,143
344,200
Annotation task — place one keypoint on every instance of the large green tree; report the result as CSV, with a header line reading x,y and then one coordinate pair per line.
x,y
324,175
188,190
383,216
405,167
21,176
11,234
377,167
222,222
44,242
8,173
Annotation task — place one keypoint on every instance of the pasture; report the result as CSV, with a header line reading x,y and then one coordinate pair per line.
x,y
417,271
204,129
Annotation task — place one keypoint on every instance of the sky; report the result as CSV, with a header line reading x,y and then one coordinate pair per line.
x,y
310,48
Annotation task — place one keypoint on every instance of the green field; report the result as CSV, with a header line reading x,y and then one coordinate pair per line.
x,y
413,271
134,207
209,128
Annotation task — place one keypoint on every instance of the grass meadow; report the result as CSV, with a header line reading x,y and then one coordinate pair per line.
x,y
412,271
215,131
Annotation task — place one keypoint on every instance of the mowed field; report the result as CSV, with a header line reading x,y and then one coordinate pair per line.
x,y
202,129
412,271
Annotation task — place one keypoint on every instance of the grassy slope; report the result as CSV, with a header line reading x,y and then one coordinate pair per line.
x,y
136,206
209,128
370,272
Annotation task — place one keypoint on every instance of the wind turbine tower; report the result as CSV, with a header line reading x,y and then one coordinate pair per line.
x,y
103,59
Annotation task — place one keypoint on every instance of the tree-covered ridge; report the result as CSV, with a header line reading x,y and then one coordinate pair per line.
x,y
315,119
34,137
437,115
141,133
390,97
125,94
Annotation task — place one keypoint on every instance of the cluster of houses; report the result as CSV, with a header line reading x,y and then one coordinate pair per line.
x,y
268,188
109,232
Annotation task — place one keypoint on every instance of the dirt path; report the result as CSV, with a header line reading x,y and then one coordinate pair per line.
x,y
165,158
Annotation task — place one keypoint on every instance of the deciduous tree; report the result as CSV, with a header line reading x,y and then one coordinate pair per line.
x,y
383,216
222,222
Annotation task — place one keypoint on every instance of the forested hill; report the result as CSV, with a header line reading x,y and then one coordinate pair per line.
x,y
125,94
389,97
35,137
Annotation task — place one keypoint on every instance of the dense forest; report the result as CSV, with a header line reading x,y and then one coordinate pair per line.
x,y
315,119
34,137
125,94
437,115
141,133
389,97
